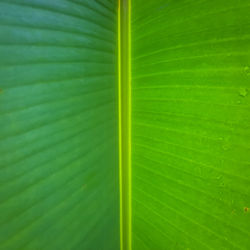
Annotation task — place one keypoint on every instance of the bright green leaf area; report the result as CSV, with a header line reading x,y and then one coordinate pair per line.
x,y
190,124
58,125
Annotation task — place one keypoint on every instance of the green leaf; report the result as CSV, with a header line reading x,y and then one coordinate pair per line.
x,y
58,121
178,74
190,124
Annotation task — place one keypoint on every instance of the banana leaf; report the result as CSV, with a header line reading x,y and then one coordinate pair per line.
x,y
124,124
58,120
190,124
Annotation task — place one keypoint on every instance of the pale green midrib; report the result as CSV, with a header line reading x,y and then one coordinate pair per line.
x,y
124,123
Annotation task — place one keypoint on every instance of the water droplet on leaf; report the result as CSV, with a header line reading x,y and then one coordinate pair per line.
x,y
243,92
247,70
